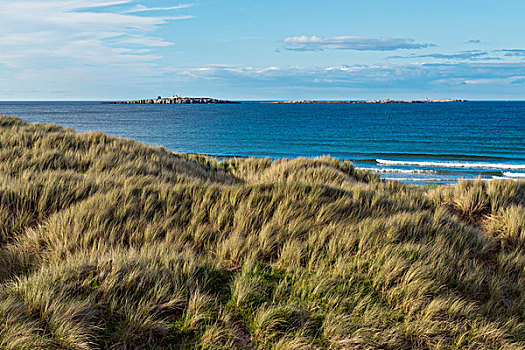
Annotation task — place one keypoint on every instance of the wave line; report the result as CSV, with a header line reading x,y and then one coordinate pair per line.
x,y
514,175
400,171
453,164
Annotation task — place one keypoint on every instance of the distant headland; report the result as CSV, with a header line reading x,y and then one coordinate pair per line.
x,y
174,100
372,101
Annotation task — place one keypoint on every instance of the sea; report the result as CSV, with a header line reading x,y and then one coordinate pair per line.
x,y
428,143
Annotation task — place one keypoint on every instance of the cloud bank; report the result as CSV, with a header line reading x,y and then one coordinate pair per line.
x,y
471,55
359,43
425,77
512,52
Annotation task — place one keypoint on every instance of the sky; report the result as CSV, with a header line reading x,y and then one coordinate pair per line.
x,y
262,50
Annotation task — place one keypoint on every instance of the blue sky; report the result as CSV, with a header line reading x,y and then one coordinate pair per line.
x,y
287,49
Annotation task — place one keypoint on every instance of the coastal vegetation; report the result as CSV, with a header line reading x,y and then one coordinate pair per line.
x,y
107,243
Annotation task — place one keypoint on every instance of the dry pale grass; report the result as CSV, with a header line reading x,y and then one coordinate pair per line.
x,y
106,243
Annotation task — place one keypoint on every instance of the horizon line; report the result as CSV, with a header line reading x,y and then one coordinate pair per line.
x,y
277,100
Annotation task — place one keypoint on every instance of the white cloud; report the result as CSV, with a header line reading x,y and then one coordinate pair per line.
x,y
148,41
142,8
315,43
49,33
470,55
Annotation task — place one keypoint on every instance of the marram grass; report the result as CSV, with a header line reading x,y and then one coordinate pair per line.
x,y
106,243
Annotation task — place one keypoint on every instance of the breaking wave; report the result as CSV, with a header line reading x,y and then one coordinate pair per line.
x,y
400,171
415,179
514,175
452,164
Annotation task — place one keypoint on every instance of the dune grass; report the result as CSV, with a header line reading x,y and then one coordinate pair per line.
x,y
106,243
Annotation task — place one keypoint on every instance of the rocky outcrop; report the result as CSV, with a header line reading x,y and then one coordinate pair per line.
x,y
174,100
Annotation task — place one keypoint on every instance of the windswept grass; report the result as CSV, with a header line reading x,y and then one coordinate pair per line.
x,y
106,243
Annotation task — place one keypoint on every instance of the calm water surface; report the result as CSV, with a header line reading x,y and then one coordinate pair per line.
x,y
416,143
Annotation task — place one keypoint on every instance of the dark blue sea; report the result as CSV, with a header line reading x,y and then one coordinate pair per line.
x,y
414,143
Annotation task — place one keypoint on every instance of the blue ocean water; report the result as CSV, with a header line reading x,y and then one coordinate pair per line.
x,y
415,143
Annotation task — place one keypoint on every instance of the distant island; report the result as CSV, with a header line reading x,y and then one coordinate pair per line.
x,y
207,100
174,100
371,101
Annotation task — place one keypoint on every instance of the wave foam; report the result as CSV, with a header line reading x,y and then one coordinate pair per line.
x,y
504,178
416,179
514,175
400,171
452,164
